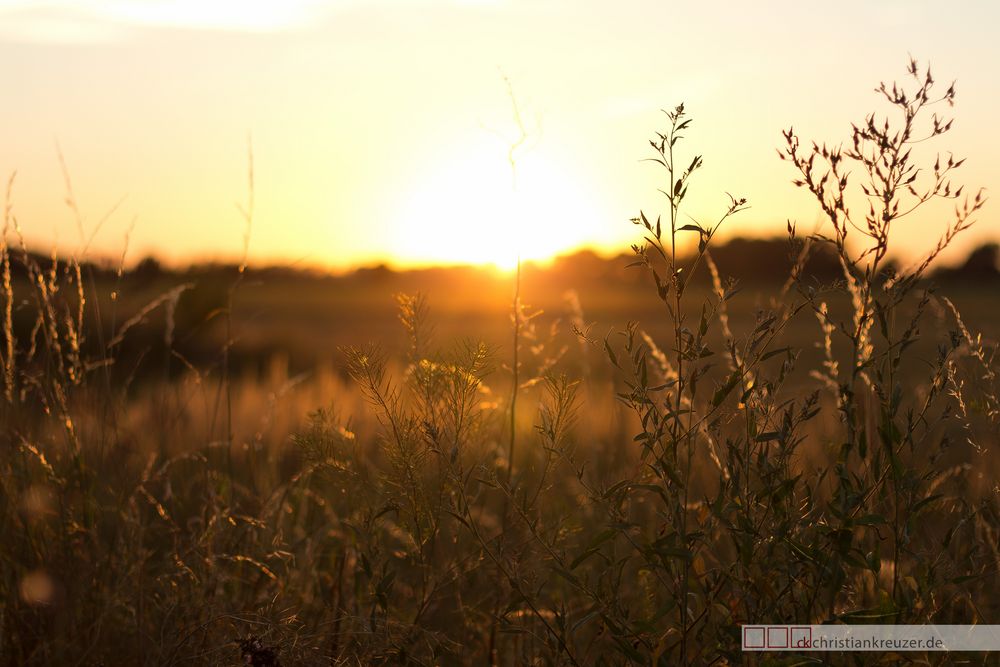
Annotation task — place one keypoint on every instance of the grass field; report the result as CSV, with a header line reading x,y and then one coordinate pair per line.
x,y
580,464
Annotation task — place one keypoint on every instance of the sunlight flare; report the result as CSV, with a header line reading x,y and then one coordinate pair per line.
x,y
475,209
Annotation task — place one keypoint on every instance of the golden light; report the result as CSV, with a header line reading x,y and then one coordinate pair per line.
x,y
37,588
473,209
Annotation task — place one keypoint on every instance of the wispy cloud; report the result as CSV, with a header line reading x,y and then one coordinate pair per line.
x,y
25,22
85,21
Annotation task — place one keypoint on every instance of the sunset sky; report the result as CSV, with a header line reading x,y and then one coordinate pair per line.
x,y
381,128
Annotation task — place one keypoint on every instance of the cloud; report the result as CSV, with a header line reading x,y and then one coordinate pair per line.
x,y
24,23
87,21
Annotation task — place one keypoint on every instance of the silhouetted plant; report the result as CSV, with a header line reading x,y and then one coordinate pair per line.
x,y
743,480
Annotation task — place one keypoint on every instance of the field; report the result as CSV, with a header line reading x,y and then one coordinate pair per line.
x,y
581,463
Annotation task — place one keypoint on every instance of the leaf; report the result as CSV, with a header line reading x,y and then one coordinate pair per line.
x,y
603,537
775,352
582,557
725,389
662,288
871,520
615,488
593,613
459,517
924,503
611,353
566,574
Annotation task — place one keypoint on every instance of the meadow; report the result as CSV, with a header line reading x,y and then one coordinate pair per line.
x,y
602,461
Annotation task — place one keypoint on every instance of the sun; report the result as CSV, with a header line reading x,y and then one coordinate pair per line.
x,y
474,209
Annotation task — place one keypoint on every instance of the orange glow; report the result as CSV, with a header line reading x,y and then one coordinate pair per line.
x,y
473,208
372,120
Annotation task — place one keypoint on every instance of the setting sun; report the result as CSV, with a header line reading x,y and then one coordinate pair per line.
x,y
473,208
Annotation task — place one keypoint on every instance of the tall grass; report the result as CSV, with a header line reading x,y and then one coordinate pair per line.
x,y
722,479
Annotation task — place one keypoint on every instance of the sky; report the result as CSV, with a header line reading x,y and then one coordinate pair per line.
x,y
382,130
